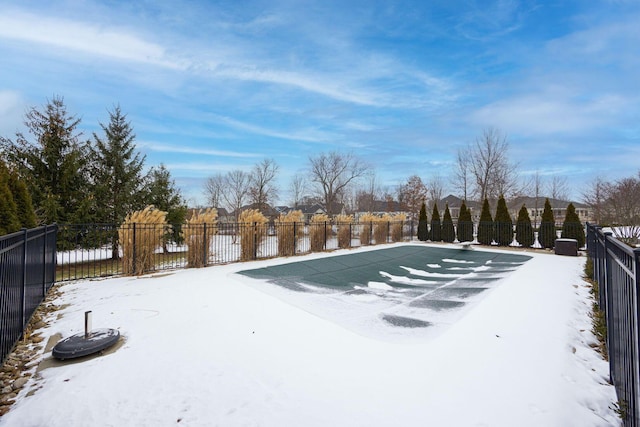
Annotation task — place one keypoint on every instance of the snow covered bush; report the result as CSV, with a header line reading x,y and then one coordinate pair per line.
x,y
140,235
199,231
318,232
289,228
253,229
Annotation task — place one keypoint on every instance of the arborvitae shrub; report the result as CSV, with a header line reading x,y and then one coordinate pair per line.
x,y
9,221
448,230
423,229
366,228
547,232
344,224
436,226
140,235
503,224
524,230
485,227
465,224
253,230
198,234
319,227
22,198
397,223
572,227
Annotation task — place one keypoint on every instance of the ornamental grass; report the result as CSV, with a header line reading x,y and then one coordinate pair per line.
x,y
290,228
253,230
318,232
344,224
199,232
140,235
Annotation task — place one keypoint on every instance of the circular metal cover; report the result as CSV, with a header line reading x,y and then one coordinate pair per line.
x,y
78,345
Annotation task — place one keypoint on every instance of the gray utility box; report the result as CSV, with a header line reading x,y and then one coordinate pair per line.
x,y
567,247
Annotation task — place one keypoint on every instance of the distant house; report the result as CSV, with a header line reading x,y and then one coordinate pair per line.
x,y
454,207
381,207
308,211
535,206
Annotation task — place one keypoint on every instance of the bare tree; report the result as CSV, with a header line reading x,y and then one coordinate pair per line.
x,y
368,194
558,187
595,196
236,190
261,183
333,172
537,190
213,189
435,189
492,172
297,189
462,172
412,194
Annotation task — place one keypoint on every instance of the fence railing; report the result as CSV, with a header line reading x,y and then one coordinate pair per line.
x,y
27,271
615,268
98,250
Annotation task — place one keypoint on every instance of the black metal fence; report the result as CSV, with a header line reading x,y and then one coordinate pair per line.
x,y
615,268
96,250
27,271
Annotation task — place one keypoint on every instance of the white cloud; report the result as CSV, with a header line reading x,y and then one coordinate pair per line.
x,y
547,114
12,108
87,38
166,148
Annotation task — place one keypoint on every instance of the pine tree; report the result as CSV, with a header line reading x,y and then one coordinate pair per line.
x,y
117,170
485,227
9,222
572,227
503,224
547,232
162,193
465,224
53,164
436,226
423,230
117,174
524,231
448,231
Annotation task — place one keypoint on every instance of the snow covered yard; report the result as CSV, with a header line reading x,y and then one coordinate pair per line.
x,y
209,347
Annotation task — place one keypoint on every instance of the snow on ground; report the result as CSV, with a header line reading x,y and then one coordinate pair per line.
x,y
205,347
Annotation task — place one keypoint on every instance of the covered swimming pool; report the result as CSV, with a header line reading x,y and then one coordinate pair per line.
x,y
399,290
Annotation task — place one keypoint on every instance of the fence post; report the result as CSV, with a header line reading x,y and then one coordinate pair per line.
x,y
295,229
205,245
133,251
324,245
636,338
44,262
23,305
608,312
255,240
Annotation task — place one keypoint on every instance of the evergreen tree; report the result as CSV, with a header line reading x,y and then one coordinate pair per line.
x,y
485,227
503,224
465,224
9,222
448,231
572,227
436,226
547,232
423,230
53,164
22,199
116,170
162,193
524,231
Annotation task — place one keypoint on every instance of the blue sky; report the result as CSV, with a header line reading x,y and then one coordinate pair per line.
x,y
212,86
